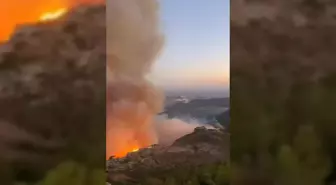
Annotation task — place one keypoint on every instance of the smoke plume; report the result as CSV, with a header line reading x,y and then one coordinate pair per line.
x,y
133,43
134,40
169,130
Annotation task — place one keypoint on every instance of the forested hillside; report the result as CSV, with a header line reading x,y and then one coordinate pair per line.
x,y
283,92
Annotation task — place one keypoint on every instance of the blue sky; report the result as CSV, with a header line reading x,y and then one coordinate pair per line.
x,y
196,51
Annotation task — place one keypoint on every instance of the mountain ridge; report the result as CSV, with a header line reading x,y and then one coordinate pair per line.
x,y
202,147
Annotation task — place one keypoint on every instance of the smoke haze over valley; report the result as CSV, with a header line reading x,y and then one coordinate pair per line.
x,y
133,101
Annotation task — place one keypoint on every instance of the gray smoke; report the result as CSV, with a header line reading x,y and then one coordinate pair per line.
x,y
134,40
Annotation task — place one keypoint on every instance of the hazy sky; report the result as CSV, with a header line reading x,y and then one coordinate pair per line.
x,y
197,44
197,38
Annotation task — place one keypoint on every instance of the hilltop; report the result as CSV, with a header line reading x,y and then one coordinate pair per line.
x,y
201,148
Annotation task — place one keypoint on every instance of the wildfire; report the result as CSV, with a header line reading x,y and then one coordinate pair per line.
x,y
53,15
126,150
135,149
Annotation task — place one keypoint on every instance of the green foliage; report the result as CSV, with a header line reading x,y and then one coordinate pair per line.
x,y
222,175
288,167
215,174
304,162
282,110
312,159
71,173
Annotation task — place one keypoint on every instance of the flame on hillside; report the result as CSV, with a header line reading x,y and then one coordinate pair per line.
x,y
21,12
126,150
49,16
135,149
132,101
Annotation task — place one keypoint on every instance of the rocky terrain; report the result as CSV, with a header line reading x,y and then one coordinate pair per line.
x,y
52,84
202,147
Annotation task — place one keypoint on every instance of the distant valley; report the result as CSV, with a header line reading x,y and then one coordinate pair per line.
x,y
200,109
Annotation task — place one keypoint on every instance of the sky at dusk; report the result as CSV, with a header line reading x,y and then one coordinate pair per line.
x,y
196,52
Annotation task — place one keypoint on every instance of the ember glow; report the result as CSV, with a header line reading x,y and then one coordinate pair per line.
x,y
18,12
135,150
53,15
125,151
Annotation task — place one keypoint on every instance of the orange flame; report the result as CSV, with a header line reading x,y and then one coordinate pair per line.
x,y
18,12
135,150
53,15
126,151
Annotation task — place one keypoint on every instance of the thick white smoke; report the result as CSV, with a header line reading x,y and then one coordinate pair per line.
x,y
168,130
134,40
